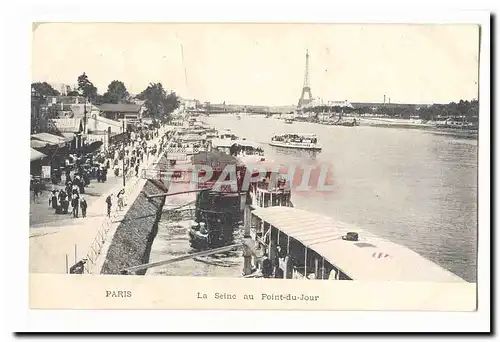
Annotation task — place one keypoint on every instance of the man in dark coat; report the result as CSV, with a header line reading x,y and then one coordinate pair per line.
x,y
83,206
109,204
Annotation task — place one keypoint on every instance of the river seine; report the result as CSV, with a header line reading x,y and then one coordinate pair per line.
x,y
413,187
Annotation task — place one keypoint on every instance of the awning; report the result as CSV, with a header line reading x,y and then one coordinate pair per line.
x,y
35,155
50,138
38,144
70,136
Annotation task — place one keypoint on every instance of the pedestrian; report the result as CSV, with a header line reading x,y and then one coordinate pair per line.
x,y
104,175
119,197
69,187
35,187
53,199
109,204
74,204
64,202
83,206
137,170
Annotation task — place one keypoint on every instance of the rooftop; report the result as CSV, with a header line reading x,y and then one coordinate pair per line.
x,y
36,155
119,107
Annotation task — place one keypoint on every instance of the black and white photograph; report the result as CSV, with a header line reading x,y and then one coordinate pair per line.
x,y
234,161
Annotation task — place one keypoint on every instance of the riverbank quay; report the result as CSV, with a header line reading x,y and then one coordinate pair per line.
x,y
172,240
59,241
426,126
117,244
401,123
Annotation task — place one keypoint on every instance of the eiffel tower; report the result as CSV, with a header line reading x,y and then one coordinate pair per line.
x,y
306,88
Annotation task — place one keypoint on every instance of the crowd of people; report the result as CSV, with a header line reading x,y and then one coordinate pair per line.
x,y
81,169
71,195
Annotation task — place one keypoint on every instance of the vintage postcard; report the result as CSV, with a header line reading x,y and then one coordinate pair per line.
x,y
265,166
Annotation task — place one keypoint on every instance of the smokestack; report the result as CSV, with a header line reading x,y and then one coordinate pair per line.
x,y
389,100
384,99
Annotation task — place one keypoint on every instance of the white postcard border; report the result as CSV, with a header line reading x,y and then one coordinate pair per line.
x,y
17,50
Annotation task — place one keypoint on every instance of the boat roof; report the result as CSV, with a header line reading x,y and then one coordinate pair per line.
x,y
191,137
215,159
262,162
229,143
253,160
300,134
247,143
371,258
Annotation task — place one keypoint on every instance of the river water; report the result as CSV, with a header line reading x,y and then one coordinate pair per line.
x,y
412,187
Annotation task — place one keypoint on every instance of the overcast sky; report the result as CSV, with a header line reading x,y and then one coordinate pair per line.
x,y
265,63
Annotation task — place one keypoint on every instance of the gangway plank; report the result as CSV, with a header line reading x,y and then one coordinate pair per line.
x,y
181,258
165,194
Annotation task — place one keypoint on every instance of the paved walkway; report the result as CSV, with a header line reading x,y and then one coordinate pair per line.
x,y
57,241
96,266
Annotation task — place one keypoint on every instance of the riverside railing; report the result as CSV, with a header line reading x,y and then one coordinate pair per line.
x,y
86,264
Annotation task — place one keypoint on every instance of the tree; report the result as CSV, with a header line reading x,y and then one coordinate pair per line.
x,y
87,88
73,93
158,104
469,110
44,89
117,93
170,103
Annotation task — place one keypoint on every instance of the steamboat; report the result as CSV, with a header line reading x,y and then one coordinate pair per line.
x,y
302,141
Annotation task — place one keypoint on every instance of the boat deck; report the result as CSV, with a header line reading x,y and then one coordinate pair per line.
x,y
371,258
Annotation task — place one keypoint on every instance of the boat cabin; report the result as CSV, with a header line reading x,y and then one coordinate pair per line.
x,y
296,244
307,138
238,148
273,189
190,143
227,134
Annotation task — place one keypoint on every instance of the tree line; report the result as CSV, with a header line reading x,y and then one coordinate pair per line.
x,y
159,104
468,110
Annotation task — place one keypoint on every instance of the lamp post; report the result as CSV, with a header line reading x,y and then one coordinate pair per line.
x,y
33,111
123,151
84,133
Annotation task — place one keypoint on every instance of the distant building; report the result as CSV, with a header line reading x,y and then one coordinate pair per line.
x,y
71,106
121,111
316,102
64,88
191,104
376,105
344,103
66,99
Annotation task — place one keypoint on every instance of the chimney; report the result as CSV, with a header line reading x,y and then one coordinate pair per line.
x,y
389,100
384,99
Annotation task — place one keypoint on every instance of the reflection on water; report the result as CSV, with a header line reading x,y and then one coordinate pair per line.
x,y
296,154
413,187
